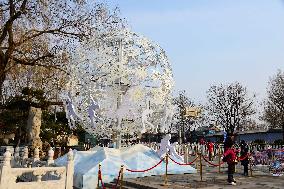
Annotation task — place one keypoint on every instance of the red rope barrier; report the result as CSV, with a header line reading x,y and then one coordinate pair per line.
x,y
241,159
277,150
215,165
141,171
190,163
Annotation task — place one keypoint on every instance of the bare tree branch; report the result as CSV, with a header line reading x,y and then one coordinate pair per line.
x,y
274,105
229,105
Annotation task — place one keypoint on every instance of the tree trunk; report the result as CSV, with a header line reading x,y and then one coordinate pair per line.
x,y
2,79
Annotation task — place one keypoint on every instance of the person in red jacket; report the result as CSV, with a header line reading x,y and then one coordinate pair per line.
x,y
230,157
202,141
210,150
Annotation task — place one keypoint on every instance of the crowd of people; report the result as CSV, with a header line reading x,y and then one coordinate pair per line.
x,y
230,156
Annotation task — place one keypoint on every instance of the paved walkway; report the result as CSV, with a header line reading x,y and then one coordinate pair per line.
x,y
214,181
261,179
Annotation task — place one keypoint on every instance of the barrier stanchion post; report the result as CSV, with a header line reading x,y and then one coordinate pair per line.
x,y
99,176
121,177
219,158
166,173
196,162
250,165
167,162
200,165
186,154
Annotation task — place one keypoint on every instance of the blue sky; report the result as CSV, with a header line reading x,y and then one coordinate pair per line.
x,y
213,41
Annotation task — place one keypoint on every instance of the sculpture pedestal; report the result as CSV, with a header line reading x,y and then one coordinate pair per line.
x,y
137,157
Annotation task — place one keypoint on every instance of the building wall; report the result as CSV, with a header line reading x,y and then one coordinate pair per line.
x,y
268,137
249,137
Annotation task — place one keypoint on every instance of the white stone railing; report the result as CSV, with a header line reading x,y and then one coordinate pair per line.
x,y
20,158
37,177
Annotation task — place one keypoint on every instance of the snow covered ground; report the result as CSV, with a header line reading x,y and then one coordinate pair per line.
x,y
138,157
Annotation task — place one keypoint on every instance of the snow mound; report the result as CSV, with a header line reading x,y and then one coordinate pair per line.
x,y
138,157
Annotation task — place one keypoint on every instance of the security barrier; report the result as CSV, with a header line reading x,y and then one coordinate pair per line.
x,y
190,163
100,179
166,174
199,157
141,171
121,174
119,179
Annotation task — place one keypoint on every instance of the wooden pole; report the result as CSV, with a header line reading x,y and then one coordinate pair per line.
x,y
166,183
250,165
121,179
99,176
219,158
200,166
196,162
166,175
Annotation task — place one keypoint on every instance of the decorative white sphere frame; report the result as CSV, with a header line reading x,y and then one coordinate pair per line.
x,y
122,82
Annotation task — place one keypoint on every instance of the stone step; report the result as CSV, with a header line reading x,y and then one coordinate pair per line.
x,y
137,185
112,186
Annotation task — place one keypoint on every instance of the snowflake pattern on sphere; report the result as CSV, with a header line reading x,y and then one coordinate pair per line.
x,y
124,74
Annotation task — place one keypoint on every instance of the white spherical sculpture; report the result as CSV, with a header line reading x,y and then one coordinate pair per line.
x,y
115,79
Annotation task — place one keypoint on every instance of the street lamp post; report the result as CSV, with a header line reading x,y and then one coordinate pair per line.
x,y
122,90
123,87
